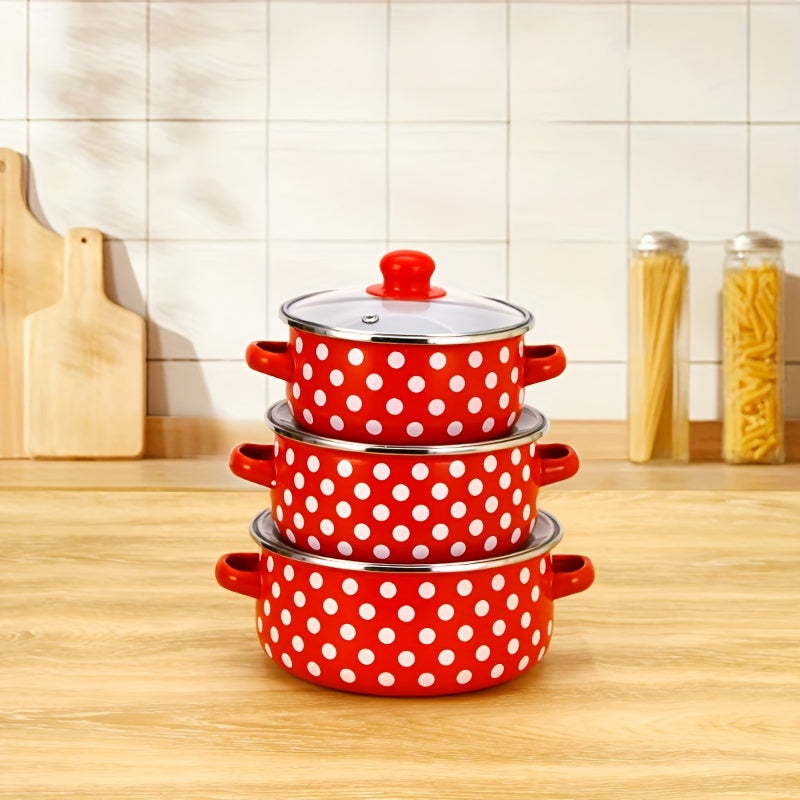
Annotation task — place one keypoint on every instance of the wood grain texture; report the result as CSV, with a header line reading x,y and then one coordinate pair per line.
x,y
30,279
128,673
84,365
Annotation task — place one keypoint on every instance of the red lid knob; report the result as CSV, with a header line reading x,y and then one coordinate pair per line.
x,y
406,276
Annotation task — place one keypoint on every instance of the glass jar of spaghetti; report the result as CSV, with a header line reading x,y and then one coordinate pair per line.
x,y
658,349
752,321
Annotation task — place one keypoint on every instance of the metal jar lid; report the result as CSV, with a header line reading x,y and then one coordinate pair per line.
x,y
661,241
405,308
752,241
530,427
546,534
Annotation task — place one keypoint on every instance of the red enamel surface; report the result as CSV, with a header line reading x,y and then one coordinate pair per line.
x,y
418,634
412,394
404,508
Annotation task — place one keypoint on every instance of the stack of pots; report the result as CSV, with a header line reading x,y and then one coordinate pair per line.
x,y
404,552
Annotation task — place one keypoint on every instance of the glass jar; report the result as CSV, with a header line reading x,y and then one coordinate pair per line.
x,y
753,369
658,349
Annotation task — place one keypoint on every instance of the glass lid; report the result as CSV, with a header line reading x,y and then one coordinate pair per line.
x,y
406,308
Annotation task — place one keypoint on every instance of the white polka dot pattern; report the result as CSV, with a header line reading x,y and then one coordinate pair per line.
x,y
411,395
409,634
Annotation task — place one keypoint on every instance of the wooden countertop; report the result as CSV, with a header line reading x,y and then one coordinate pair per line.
x,y
128,673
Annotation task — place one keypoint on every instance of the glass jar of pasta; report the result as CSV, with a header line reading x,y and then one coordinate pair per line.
x,y
658,349
752,321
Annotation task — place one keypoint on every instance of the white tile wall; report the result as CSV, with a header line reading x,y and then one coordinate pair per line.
x,y
573,288
327,180
237,154
206,180
689,63
87,60
567,182
775,63
14,134
90,173
447,61
194,388
550,47
792,291
208,60
328,61
705,301
695,176
183,324
447,181
125,273
13,58
775,179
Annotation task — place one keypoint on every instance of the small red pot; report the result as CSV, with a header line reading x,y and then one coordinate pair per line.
x,y
405,362
405,631
404,504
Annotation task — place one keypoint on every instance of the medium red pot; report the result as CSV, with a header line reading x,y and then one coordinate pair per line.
x,y
405,362
404,504
405,631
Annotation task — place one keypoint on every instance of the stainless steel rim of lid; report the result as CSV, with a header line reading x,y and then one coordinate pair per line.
x,y
349,334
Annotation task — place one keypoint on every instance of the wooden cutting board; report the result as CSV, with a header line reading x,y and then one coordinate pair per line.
x,y
84,365
30,279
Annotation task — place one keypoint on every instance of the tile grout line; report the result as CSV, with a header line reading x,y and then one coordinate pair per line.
x,y
508,153
267,164
748,156
683,123
26,188
628,23
148,11
387,135
267,132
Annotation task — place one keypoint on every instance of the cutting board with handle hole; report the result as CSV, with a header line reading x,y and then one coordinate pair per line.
x,y
84,365
30,279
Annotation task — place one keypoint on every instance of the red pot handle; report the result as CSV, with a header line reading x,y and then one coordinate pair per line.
x,y
556,462
571,574
271,358
542,362
238,572
254,463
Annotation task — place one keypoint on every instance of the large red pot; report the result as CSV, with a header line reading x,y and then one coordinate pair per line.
x,y
395,630
404,504
405,362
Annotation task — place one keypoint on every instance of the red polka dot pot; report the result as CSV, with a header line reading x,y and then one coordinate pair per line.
x,y
404,362
404,504
405,630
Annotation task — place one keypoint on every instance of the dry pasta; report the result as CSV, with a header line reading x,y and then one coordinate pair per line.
x,y
753,426
657,425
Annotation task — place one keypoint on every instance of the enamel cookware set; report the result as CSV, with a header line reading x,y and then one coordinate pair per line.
x,y
404,552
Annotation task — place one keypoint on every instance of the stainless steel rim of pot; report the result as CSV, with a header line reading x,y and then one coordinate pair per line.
x,y
546,534
530,427
349,334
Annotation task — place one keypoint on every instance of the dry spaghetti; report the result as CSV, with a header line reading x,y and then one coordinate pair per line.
x,y
657,417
